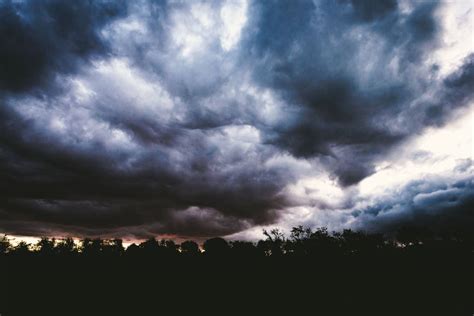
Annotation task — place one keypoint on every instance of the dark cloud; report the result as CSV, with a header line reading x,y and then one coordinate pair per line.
x,y
454,92
118,119
441,206
42,38
371,10
337,73
88,188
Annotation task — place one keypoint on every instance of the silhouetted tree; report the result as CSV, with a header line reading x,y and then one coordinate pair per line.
x,y
66,246
113,247
168,248
298,242
274,243
244,249
4,244
150,247
189,248
133,250
91,247
21,249
362,264
414,236
321,242
216,247
45,246
351,241
299,233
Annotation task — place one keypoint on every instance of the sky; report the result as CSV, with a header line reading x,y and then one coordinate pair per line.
x,y
193,119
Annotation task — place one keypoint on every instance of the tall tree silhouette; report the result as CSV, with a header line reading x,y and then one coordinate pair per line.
x,y
4,244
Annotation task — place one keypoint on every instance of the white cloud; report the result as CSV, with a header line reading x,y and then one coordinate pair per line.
x,y
437,156
234,16
457,20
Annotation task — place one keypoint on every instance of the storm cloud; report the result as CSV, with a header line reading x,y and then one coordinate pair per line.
x,y
42,38
136,119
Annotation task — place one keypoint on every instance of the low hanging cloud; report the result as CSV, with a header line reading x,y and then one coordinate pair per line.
x,y
135,119
438,203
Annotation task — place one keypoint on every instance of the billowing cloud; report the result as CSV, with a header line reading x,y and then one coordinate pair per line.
x,y
43,38
211,118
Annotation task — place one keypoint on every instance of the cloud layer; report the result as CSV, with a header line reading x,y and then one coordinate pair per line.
x,y
197,118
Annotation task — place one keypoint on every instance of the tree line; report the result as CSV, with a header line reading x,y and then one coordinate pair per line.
x,y
300,242
306,270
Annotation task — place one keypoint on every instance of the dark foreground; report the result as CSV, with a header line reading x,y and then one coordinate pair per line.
x,y
309,272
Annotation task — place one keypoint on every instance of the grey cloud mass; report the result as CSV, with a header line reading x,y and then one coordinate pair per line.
x,y
42,38
141,118
443,205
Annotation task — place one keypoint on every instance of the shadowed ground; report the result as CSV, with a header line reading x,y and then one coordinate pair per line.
x,y
308,271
